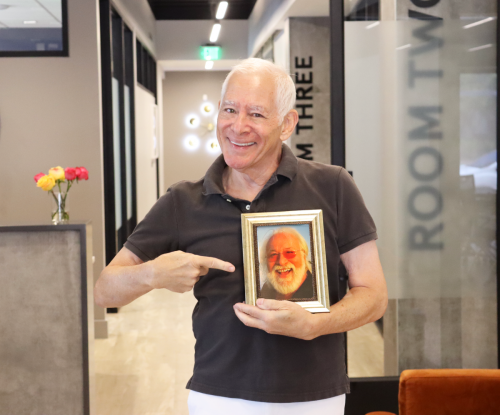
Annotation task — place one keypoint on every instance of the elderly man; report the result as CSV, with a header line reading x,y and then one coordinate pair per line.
x,y
276,356
288,272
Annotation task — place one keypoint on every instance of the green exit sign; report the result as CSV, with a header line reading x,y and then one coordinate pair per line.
x,y
210,53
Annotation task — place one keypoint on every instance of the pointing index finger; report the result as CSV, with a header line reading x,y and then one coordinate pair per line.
x,y
215,263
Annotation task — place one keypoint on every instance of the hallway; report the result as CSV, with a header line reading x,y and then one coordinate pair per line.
x,y
144,365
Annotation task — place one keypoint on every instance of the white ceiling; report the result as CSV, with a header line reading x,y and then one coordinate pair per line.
x,y
46,13
196,65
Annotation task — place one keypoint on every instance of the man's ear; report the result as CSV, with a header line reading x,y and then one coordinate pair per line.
x,y
289,122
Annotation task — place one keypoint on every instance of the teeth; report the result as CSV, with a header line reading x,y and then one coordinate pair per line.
x,y
241,145
283,270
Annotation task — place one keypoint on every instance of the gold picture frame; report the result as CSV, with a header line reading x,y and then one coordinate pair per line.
x,y
261,250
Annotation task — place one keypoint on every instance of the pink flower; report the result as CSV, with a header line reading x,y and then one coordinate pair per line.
x,y
37,177
70,173
82,173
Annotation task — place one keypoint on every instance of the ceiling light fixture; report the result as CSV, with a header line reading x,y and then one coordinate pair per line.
x,y
488,19
30,22
221,10
209,64
214,35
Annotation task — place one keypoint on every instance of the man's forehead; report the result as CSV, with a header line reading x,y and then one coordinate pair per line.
x,y
252,90
283,238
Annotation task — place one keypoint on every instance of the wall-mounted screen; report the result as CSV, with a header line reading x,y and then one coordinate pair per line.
x,y
33,28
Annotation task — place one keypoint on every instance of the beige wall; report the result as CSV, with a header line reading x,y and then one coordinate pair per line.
x,y
182,95
50,115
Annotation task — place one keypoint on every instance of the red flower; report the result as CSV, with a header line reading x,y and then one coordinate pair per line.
x,y
70,173
82,173
37,177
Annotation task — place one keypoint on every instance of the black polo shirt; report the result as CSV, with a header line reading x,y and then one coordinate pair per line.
x,y
231,359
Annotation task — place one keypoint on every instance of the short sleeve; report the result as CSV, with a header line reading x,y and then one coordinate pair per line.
x,y
354,223
157,233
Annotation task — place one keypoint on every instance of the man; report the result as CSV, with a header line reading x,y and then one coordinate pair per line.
x,y
274,356
288,272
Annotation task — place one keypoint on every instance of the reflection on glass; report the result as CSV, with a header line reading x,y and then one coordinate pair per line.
x,y
421,142
31,25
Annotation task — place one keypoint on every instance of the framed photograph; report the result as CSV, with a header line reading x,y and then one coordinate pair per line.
x,y
284,258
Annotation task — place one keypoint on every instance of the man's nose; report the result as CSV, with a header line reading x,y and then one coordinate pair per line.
x,y
281,259
240,124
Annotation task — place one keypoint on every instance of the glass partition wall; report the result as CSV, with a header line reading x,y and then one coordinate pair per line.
x,y
421,142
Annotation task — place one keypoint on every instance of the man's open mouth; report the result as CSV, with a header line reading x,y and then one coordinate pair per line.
x,y
242,144
283,270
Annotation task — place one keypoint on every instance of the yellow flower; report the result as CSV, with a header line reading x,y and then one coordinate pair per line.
x,y
46,182
57,173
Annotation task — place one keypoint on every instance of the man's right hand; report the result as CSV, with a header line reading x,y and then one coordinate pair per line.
x,y
127,277
179,271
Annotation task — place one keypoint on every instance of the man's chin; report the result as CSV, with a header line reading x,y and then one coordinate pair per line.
x,y
284,285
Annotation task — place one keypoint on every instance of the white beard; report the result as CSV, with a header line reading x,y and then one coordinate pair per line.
x,y
290,283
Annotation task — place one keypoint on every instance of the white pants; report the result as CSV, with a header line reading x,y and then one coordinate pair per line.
x,y
203,404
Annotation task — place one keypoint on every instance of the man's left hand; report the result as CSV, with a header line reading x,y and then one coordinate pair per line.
x,y
279,317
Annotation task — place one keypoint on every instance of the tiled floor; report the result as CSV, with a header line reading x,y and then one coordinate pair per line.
x,y
144,365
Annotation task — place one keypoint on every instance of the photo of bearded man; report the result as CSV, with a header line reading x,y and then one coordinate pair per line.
x,y
285,267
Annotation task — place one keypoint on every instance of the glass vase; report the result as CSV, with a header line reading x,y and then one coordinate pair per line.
x,y
60,215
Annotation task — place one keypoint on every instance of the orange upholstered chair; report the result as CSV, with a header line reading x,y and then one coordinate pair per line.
x,y
448,392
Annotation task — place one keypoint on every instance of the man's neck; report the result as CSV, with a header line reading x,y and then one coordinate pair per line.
x,y
247,184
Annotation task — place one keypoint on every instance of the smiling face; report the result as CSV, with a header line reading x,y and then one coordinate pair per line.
x,y
286,263
248,125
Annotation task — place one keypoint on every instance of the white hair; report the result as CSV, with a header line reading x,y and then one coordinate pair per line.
x,y
285,88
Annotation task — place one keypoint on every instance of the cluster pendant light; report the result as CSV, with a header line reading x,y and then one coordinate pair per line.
x,y
192,142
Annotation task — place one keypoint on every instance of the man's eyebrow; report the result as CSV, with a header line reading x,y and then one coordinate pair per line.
x,y
228,102
257,108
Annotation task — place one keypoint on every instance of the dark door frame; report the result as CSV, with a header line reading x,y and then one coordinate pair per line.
x,y
117,62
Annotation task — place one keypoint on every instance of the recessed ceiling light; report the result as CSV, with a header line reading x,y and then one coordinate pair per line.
x,y
30,22
221,10
215,32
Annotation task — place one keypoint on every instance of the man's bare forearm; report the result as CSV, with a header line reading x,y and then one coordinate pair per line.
x,y
361,305
127,277
119,285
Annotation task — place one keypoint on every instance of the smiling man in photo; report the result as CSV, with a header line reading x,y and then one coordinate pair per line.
x,y
288,271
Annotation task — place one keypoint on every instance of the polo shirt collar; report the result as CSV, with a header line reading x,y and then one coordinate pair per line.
x,y
212,182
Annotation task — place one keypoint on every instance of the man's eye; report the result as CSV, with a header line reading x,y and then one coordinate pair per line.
x,y
257,114
230,110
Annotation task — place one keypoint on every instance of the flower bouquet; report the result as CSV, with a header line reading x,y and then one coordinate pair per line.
x,y
56,177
